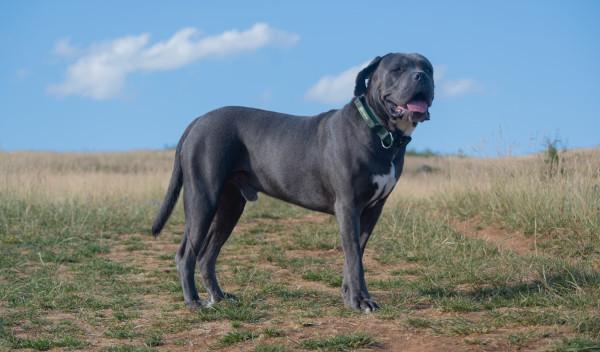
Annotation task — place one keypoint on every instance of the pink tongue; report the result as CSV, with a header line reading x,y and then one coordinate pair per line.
x,y
417,106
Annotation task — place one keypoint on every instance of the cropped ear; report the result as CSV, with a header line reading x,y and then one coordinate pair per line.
x,y
361,87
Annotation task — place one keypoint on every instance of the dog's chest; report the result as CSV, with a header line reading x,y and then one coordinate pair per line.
x,y
383,183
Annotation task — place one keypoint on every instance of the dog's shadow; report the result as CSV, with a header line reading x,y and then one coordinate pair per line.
x,y
551,288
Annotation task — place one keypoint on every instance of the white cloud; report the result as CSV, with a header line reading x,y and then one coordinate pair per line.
x,y
64,48
332,89
101,72
454,88
459,87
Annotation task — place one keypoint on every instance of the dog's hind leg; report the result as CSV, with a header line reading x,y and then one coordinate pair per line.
x,y
230,207
200,205
184,255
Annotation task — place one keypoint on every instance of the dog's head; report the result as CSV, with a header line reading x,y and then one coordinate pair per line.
x,y
400,87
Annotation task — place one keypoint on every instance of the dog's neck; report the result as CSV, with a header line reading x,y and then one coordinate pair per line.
x,y
398,127
392,124
404,126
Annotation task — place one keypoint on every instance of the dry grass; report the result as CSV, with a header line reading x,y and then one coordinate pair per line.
x,y
144,175
427,176
62,176
528,194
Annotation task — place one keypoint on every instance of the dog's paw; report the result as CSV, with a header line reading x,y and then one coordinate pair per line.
x,y
230,297
368,305
225,296
361,302
364,304
195,304
358,301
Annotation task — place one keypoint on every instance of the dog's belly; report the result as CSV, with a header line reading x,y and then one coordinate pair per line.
x,y
304,189
283,158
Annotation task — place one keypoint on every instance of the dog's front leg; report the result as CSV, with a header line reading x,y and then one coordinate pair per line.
x,y
354,288
368,219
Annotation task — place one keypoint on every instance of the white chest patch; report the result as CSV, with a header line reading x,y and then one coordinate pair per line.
x,y
384,184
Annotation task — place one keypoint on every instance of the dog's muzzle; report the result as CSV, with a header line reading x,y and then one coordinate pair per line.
x,y
416,110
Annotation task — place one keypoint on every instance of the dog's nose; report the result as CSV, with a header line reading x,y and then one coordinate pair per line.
x,y
419,76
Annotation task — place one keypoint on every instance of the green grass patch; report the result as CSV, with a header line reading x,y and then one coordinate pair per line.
x,y
454,326
244,310
311,236
327,276
237,336
44,344
121,331
521,339
577,344
339,342
590,326
154,339
270,348
273,332
128,348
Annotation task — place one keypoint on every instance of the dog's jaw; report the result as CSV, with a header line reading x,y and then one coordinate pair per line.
x,y
393,123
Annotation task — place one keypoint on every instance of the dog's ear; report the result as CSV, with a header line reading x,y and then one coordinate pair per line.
x,y
361,86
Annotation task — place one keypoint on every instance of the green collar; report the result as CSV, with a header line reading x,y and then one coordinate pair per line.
x,y
375,124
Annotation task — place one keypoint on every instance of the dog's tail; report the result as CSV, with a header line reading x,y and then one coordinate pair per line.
x,y
173,191
170,198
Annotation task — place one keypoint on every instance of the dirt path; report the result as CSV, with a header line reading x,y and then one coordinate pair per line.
x,y
390,335
496,235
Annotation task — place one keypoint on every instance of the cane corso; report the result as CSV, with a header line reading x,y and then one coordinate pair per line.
x,y
342,162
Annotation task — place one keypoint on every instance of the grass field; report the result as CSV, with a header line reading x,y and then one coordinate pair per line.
x,y
470,255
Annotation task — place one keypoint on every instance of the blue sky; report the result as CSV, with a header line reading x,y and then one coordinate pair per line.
x,y
121,75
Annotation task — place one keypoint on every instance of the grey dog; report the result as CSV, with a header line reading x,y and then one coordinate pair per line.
x,y
342,162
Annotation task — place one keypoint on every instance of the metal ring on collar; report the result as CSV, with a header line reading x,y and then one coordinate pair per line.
x,y
391,141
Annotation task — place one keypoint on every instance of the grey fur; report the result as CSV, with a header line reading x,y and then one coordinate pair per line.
x,y
324,163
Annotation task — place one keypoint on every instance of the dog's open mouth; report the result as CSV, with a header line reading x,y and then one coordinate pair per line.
x,y
415,109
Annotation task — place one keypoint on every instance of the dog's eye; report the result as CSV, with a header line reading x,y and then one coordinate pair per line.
x,y
397,69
